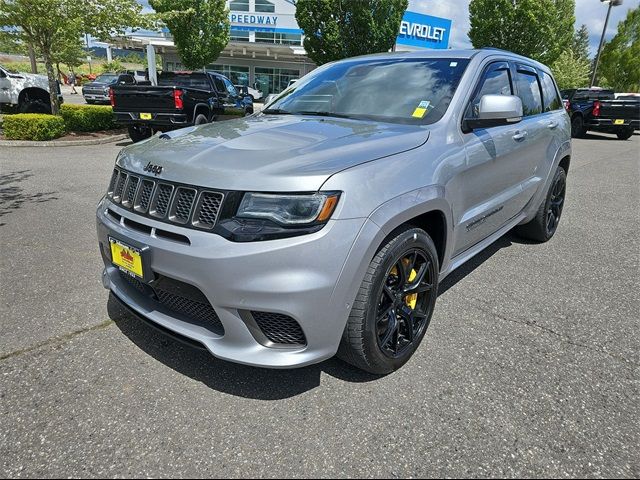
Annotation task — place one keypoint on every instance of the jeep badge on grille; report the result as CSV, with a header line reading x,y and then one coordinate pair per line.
x,y
155,169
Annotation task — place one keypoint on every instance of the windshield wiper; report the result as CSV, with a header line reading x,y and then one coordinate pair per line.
x,y
276,111
323,114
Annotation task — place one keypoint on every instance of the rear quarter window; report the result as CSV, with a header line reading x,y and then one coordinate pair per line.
x,y
550,98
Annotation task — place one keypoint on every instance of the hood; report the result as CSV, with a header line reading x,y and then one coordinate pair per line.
x,y
97,85
269,152
31,79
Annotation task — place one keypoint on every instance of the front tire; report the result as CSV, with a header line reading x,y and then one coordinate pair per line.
x,y
394,305
137,133
624,133
545,223
35,106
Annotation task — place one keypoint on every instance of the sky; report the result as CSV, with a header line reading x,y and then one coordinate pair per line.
x,y
591,13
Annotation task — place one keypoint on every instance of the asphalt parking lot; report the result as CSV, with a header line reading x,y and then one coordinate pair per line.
x,y
529,368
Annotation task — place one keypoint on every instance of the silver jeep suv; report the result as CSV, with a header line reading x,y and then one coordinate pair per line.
x,y
323,224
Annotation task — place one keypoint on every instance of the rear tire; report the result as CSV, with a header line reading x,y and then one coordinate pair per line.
x,y
624,133
200,119
578,129
137,133
545,223
377,338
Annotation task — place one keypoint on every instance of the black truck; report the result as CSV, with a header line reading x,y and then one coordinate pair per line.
x,y
179,100
598,110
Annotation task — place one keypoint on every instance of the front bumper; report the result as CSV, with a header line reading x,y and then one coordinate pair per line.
x,y
301,277
96,97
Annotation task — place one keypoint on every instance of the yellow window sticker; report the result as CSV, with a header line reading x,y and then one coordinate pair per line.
x,y
422,109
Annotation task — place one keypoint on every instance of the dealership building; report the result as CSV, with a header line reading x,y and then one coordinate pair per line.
x,y
265,49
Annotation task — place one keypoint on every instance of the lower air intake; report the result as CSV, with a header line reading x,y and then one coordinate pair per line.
x,y
179,297
280,329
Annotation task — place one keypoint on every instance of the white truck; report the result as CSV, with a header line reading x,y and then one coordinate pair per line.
x,y
26,92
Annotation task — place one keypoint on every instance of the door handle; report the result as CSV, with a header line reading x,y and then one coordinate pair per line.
x,y
519,136
552,125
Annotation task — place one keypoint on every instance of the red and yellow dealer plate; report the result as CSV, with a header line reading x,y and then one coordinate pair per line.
x,y
126,257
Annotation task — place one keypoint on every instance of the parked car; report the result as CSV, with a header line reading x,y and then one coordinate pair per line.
x,y
272,96
325,223
599,110
138,75
245,90
26,92
98,90
179,100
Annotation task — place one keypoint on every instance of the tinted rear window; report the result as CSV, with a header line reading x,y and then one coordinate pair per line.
x,y
193,80
594,95
550,96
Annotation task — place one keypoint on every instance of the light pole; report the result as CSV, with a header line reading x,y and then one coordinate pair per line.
x,y
612,3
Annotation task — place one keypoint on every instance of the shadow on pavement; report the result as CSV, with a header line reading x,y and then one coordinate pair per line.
x,y
252,382
601,136
12,195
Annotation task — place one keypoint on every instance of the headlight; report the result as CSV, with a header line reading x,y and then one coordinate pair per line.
x,y
287,209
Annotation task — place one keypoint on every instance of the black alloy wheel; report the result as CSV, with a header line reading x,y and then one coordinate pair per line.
x,y
556,202
402,312
394,305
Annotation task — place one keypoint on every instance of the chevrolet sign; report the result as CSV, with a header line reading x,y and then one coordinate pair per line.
x,y
425,31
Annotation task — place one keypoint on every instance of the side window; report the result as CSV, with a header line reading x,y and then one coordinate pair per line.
x,y
496,81
529,93
219,84
550,97
265,6
239,5
126,79
230,88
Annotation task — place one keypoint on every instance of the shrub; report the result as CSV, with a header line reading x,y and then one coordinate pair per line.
x,y
33,126
87,118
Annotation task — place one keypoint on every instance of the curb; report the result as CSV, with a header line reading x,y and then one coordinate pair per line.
x,y
64,143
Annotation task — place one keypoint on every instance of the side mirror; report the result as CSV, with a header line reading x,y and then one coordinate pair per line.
x,y
496,110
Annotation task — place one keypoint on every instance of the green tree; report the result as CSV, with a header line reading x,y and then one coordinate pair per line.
x,y
45,23
571,71
580,43
620,58
200,28
336,29
10,43
114,66
539,29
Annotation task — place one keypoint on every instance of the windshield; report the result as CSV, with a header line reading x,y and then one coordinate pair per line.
x,y
106,78
407,90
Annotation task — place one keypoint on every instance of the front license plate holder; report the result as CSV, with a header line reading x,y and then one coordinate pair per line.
x,y
131,258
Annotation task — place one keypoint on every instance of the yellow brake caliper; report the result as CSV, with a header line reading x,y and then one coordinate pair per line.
x,y
412,299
